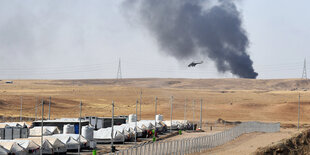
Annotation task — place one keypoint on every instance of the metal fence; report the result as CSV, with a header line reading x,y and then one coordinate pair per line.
x,y
199,144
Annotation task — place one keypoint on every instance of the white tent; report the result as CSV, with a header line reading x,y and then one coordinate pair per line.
x,y
47,130
13,147
176,124
104,135
47,146
70,142
122,130
146,124
130,127
4,151
30,146
58,146
128,135
84,142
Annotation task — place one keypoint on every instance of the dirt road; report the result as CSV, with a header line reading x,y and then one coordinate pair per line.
x,y
247,144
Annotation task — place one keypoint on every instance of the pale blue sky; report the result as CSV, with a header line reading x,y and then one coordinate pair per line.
x,y
53,39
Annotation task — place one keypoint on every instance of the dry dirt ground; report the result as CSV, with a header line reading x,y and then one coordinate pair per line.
x,y
229,99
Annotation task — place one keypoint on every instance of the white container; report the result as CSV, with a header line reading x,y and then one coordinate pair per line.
x,y
8,133
99,123
16,133
24,133
88,133
68,129
93,121
159,118
2,133
132,118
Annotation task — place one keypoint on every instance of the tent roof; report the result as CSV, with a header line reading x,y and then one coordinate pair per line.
x,y
105,133
66,139
74,136
27,144
7,144
3,151
2,125
49,128
56,143
11,146
37,131
37,140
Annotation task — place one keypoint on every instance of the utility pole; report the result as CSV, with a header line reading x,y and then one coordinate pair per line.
x,y
36,113
304,72
41,152
136,123
171,103
200,113
155,115
80,127
112,125
298,111
21,109
140,103
193,114
185,109
49,108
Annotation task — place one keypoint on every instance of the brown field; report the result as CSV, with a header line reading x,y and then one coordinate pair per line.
x,y
229,99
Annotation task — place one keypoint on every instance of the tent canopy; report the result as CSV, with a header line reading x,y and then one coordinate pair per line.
x,y
4,151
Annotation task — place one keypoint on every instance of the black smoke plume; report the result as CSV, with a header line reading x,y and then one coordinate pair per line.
x,y
187,29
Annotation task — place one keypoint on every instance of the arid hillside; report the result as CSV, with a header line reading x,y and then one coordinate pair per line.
x,y
229,99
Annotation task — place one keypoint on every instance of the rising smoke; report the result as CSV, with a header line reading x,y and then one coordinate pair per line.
x,y
186,29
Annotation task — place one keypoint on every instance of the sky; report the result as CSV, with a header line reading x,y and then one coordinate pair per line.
x,y
77,39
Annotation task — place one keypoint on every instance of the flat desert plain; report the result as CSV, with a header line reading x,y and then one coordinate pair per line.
x,y
230,99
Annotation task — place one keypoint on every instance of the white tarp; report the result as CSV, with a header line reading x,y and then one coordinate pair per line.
x,y
105,134
13,147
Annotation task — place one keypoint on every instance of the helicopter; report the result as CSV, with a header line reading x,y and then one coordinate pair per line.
x,y
193,64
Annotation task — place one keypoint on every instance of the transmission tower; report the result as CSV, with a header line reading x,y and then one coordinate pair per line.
x,y
119,70
304,72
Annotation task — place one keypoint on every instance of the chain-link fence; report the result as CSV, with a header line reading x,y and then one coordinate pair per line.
x,y
199,144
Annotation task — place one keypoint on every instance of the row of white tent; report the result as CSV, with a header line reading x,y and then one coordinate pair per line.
x,y
58,143
47,130
126,132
